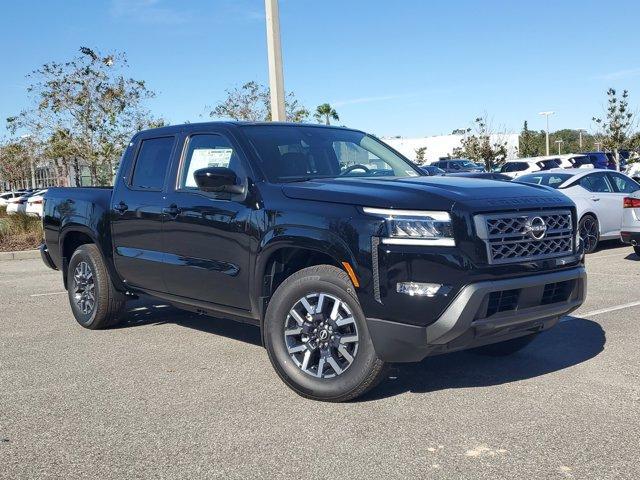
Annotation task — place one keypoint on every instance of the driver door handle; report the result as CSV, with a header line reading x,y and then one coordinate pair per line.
x,y
172,210
595,199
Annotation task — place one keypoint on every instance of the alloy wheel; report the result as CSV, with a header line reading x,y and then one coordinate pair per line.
x,y
84,288
589,233
321,335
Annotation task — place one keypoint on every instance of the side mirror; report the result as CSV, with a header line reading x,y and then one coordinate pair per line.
x,y
217,179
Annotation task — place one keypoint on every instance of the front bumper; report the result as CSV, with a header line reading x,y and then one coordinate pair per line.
x,y
483,313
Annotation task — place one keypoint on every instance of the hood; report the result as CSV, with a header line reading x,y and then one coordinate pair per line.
x,y
428,193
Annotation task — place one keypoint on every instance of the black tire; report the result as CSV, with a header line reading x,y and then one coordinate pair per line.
x,y
503,349
107,302
589,229
364,370
637,250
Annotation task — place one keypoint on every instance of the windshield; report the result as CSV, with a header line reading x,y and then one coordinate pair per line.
x,y
290,153
549,179
465,163
514,167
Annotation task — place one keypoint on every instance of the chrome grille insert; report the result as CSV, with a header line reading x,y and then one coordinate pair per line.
x,y
526,236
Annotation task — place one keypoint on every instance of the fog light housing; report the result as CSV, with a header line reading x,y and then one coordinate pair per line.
x,y
418,289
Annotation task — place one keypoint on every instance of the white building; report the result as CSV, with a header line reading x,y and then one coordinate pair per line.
x,y
443,145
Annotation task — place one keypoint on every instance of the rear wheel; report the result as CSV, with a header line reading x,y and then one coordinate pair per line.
x,y
317,338
506,348
589,232
94,301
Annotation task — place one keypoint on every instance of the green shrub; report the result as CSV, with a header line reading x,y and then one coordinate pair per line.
x,y
19,232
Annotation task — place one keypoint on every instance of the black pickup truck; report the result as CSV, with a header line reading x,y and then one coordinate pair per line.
x,y
340,249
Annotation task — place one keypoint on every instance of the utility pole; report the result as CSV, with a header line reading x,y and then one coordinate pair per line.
x,y
559,142
274,56
546,114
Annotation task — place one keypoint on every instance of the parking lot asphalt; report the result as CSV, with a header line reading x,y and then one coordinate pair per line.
x,y
174,395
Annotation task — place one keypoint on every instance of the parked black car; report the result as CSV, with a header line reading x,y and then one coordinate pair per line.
x,y
485,175
342,252
431,170
456,165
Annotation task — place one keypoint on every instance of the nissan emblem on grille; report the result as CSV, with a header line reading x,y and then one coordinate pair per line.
x,y
526,236
535,227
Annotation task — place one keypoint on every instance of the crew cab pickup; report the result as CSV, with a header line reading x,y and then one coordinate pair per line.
x,y
340,249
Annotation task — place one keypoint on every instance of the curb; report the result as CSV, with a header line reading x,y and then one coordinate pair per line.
x,y
20,255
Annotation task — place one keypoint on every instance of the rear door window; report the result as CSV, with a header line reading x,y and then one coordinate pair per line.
x,y
151,163
624,184
596,182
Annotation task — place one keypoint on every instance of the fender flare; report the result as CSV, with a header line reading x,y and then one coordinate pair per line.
x,y
306,238
72,227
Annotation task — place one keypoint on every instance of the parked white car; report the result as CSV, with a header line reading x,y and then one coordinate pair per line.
x,y
599,196
631,221
18,204
6,196
633,170
35,203
523,166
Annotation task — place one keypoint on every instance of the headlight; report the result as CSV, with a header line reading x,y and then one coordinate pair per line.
x,y
415,227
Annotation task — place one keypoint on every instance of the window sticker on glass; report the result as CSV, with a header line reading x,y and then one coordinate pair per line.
x,y
207,157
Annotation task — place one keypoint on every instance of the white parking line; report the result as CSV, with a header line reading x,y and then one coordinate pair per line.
x,y
609,309
45,294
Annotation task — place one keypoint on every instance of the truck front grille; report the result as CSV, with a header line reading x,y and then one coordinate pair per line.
x,y
526,236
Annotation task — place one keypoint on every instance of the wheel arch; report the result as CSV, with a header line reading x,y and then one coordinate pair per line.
x,y
73,236
290,249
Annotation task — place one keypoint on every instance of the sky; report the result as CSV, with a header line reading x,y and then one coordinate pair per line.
x,y
404,67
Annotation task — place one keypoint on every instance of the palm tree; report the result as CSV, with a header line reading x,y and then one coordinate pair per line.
x,y
325,112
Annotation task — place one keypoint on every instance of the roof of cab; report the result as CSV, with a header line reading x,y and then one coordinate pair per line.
x,y
170,129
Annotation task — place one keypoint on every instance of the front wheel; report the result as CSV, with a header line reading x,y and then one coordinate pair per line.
x,y
317,337
94,301
589,233
637,250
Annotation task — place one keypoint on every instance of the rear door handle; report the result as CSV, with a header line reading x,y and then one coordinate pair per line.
x,y
172,210
121,207
595,199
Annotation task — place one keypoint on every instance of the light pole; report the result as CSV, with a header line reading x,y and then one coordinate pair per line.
x,y
546,114
274,57
559,142
26,137
580,130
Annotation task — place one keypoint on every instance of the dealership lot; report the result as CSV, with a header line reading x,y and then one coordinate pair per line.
x,y
171,394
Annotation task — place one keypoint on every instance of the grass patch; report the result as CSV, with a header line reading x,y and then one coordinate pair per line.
x,y
19,232
3,211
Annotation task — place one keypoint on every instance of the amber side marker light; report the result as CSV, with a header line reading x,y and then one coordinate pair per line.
x,y
352,274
